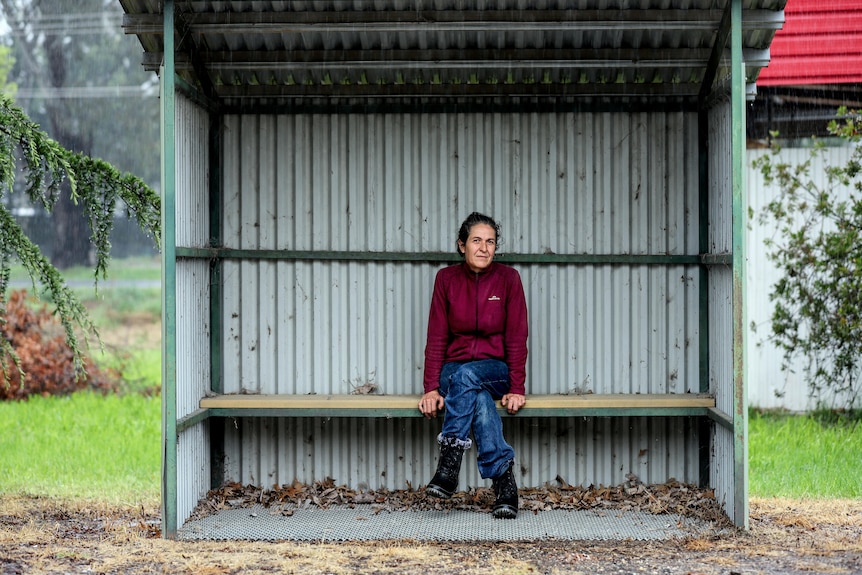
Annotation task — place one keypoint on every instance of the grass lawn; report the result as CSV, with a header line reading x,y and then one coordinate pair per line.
x,y
804,456
92,446
85,446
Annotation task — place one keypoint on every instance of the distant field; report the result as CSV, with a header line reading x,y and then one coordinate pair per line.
x,y
137,268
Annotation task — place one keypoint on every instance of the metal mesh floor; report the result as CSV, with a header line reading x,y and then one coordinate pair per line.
x,y
362,523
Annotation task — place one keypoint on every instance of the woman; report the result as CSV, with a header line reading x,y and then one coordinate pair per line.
x,y
476,353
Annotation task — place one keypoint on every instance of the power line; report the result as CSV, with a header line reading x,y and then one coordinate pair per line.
x,y
73,17
66,24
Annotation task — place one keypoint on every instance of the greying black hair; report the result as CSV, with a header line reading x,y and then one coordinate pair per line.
x,y
472,220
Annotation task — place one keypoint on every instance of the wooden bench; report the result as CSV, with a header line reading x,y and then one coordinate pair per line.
x,y
397,406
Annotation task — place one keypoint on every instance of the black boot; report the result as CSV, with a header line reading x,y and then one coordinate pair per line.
x,y
445,481
506,493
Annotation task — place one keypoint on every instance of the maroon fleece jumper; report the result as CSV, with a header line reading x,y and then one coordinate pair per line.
x,y
477,316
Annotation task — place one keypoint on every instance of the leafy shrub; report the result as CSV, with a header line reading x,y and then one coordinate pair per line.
x,y
818,301
46,365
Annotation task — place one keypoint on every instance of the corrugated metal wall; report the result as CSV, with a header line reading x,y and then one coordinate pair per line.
x,y
614,182
720,240
769,386
605,183
192,300
396,453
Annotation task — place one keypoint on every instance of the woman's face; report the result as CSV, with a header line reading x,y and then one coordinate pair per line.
x,y
480,247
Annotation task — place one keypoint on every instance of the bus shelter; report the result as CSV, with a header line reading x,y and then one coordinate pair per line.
x,y
317,159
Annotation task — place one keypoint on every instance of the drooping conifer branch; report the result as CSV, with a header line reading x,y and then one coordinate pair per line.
x,y
94,183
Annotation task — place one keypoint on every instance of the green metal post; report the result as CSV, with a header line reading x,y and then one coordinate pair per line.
x,y
705,448
169,283
216,240
216,203
740,398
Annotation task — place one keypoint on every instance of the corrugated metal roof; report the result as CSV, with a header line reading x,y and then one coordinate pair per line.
x,y
274,53
821,44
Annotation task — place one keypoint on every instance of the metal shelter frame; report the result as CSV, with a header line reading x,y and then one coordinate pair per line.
x,y
728,35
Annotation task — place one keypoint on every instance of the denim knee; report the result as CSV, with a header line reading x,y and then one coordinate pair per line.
x,y
486,411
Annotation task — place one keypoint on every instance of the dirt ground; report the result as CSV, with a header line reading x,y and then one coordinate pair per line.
x,y
39,535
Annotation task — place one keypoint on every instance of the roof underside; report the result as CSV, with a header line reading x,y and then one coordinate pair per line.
x,y
261,54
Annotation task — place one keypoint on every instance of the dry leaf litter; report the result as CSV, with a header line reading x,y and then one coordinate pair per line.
x,y
672,497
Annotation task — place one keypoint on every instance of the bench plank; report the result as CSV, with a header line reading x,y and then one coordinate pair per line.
x,y
400,402
400,406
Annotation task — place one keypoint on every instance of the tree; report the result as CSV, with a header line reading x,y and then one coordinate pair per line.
x,y
79,70
818,301
93,184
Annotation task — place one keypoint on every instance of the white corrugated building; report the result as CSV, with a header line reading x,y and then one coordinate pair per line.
x,y
318,157
773,387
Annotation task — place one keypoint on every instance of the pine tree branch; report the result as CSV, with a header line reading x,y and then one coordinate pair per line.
x,y
93,182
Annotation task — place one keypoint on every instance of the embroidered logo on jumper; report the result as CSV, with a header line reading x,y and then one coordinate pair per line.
x,y
493,298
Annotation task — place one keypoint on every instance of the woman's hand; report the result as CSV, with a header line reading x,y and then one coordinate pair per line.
x,y
431,403
513,402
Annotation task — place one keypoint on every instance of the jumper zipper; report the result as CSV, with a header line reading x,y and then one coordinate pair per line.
x,y
476,331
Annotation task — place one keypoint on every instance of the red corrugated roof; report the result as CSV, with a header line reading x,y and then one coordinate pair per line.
x,y
821,43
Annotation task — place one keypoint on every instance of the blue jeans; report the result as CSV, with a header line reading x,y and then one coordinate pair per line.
x,y
470,390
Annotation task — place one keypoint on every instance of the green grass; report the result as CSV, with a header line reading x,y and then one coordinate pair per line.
x,y
804,456
91,446
83,446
